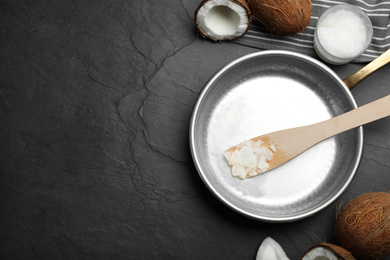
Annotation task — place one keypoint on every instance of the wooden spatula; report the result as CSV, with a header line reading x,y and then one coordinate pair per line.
x,y
281,146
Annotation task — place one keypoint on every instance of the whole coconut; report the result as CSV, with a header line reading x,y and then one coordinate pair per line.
x,y
282,17
363,226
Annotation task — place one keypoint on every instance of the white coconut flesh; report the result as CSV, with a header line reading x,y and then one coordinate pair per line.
x,y
250,158
271,250
222,19
319,253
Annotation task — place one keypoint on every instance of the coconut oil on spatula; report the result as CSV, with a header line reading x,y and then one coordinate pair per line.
x,y
266,152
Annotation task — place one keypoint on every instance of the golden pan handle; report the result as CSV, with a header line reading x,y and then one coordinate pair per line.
x,y
367,70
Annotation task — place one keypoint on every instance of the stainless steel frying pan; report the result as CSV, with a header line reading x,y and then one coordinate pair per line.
x,y
268,91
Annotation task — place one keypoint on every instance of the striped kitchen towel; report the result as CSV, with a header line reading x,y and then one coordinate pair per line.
x,y
377,10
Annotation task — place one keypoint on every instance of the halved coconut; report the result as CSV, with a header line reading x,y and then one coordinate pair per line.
x,y
327,251
222,20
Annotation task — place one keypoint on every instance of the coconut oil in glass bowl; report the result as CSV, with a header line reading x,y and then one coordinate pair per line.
x,y
342,34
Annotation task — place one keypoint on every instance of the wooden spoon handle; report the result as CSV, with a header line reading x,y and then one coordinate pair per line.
x,y
307,136
291,142
357,117
367,70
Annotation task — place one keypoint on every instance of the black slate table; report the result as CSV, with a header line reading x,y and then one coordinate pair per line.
x,y
95,104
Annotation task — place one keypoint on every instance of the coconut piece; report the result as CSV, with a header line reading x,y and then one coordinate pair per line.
x,y
249,158
271,250
326,251
272,147
262,163
282,17
363,226
246,157
222,20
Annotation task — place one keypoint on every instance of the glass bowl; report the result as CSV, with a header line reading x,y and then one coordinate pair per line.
x,y
323,46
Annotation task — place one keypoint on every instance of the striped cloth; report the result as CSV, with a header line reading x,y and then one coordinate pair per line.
x,y
378,11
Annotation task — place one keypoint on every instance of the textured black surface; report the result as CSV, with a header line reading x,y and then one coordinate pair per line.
x,y
95,104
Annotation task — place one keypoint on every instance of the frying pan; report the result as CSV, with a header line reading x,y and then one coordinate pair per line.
x,y
268,91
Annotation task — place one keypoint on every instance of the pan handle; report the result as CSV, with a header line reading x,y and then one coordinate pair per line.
x,y
367,70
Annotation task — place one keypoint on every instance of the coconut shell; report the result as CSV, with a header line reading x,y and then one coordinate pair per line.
x,y
282,17
363,226
339,252
241,3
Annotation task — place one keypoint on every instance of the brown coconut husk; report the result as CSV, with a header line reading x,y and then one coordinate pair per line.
x,y
241,3
282,17
339,252
363,226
